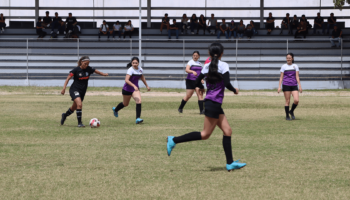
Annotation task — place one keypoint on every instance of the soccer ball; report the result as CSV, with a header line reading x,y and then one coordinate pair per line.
x,y
95,123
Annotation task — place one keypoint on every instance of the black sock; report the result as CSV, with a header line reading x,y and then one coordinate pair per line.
x,y
69,112
188,137
226,143
183,103
286,108
79,113
201,105
119,107
293,108
138,111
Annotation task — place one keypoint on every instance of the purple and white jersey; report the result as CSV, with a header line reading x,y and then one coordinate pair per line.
x,y
215,92
135,75
289,77
195,66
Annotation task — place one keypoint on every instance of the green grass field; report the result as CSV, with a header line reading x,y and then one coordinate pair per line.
x,y
308,158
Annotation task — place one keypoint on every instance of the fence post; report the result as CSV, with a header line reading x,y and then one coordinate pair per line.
x,y
236,57
341,62
183,58
287,46
130,48
26,82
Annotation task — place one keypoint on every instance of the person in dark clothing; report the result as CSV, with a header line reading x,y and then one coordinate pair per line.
x,y
71,22
47,20
165,22
39,29
174,28
294,24
2,22
202,24
318,23
128,29
286,24
331,21
212,24
104,29
270,23
302,29
193,23
59,24
336,36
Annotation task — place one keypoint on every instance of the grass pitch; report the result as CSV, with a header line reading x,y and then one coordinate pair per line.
x,y
308,158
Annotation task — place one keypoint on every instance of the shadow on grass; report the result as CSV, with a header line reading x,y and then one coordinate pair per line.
x,y
215,169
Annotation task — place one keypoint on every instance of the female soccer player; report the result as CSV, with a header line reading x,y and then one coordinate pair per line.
x,y
131,88
78,88
193,68
217,78
290,77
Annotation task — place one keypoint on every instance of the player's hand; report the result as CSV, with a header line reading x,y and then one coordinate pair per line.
x,y
63,91
237,90
279,90
105,74
136,88
300,90
194,73
148,89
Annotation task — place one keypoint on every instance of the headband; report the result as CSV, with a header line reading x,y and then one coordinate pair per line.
x,y
86,59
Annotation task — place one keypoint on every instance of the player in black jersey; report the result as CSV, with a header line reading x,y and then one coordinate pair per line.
x,y
78,88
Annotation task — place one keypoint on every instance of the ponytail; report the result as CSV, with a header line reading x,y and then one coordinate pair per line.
x,y
215,50
129,65
132,59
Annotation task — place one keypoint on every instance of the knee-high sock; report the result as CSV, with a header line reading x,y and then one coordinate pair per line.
x,y
226,143
188,137
119,107
293,108
201,105
183,103
79,114
286,108
69,112
138,111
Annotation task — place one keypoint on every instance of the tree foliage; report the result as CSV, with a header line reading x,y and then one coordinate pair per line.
x,y
340,3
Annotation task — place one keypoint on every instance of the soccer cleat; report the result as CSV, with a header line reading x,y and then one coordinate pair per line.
x,y
292,114
235,165
81,125
114,112
139,120
170,144
202,112
180,110
63,118
288,118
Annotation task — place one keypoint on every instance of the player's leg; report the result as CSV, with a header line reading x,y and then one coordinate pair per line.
x,y
286,105
189,93
69,112
295,95
226,143
200,92
79,103
126,99
137,97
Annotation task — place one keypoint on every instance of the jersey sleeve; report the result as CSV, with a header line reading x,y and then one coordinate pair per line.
x,y
205,69
91,70
296,68
189,63
129,72
282,69
225,68
72,72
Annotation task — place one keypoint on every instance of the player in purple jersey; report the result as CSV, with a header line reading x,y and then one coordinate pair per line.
x,y
290,78
193,68
131,88
217,78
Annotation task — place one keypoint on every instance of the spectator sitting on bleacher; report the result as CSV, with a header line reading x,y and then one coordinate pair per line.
x,y
59,24
286,24
117,27
184,23
194,23
165,22
336,36
104,29
212,23
202,24
295,23
47,20
232,29
174,28
255,32
128,29
301,29
39,28
249,31
2,22
331,21
270,21
240,29
319,23
71,22
223,28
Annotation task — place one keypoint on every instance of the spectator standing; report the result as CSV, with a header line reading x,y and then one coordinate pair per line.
x,y
71,22
318,23
47,20
104,29
58,23
39,29
212,24
202,24
232,30
117,28
286,24
302,29
331,22
194,23
184,23
174,28
128,29
2,22
336,36
249,31
270,23
295,23
165,22
240,29
223,28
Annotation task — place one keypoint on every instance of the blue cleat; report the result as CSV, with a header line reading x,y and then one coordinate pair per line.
x,y
170,144
115,113
235,165
139,120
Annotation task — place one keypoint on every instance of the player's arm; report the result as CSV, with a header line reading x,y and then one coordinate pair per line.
x,y
199,79
66,83
127,81
101,73
298,80
143,79
227,83
279,85
189,71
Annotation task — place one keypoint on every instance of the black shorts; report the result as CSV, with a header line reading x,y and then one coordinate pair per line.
x,y
287,88
191,85
124,92
212,109
77,93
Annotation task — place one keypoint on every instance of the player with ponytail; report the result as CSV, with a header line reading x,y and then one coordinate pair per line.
x,y
217,75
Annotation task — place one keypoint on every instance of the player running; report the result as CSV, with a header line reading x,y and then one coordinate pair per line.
x,y
290,78
131,88
78,88
217,78
193,68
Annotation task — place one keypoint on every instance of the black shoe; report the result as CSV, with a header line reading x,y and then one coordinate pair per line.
x,y
292,114
288,118
180,110
63,118
81,125
202,112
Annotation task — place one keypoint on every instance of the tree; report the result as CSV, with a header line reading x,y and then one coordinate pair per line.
x,y
340,3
